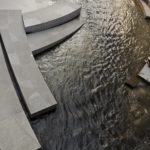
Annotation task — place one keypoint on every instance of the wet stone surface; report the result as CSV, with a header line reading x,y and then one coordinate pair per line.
x,y
96,111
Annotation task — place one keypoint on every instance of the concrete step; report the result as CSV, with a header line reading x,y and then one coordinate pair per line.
x,y
50,16
41,41
15,130
31,84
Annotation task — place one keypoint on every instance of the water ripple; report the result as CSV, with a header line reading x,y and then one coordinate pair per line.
x,y
87,73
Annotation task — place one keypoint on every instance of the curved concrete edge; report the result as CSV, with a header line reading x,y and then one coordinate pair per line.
x,y
41,41
29,81
145,9
51,16
15,130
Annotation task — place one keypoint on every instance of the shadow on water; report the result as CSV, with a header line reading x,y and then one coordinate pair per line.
x,y
87,74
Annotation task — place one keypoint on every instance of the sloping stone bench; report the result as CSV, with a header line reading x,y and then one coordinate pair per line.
x,y
31,84
51,16
43,40
15,130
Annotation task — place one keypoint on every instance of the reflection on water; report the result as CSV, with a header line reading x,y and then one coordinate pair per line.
x,y
87,74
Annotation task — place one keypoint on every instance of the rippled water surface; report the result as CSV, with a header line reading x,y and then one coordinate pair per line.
x,y
86,74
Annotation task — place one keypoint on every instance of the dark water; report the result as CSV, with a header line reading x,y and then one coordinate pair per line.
x,y
86,74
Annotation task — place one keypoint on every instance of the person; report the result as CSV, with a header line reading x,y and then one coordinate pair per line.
x,y
148,61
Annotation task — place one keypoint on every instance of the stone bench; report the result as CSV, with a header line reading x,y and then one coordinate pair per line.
x,y
50,16
15,130
41,41
30,82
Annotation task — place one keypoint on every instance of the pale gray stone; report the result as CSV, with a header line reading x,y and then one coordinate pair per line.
x,y
24,5
50,16
145,73
36,93
43,40
15,130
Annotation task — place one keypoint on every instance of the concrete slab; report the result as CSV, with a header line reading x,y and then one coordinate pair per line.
x,y
24,5
31,84
145,73
43,40
146,9
15,130
51,16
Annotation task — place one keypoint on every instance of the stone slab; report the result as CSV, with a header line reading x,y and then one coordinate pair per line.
x,y
41,41
146,9
145,73
51,16
15,130
32,86
24,5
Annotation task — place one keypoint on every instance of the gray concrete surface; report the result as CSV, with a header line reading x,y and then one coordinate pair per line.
x,y
51,16
36,93
145,73
145,8
43,40
24,5
15,130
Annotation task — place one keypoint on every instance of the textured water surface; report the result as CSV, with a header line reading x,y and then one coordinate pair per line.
x,y
86,74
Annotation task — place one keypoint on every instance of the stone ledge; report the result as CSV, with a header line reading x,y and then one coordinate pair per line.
x,y
49,17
